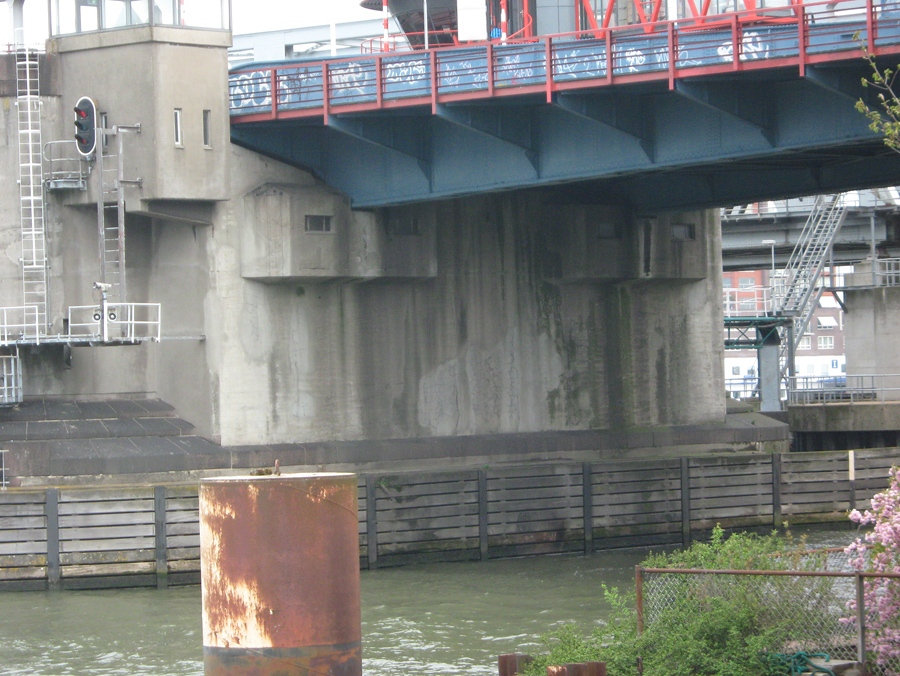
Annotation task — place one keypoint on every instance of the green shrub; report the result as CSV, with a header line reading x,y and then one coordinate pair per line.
x,y
710,625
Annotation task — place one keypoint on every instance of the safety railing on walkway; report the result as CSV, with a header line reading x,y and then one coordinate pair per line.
x,y
747,387
67,170
10,377
842,389
750,301
782,37
803,610
877,198
887,272
19,324
124,322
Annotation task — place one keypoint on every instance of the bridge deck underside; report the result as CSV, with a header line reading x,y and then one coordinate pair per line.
x,y
738,115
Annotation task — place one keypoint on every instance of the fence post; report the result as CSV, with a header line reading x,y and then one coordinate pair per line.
x,y
371,523
482,515
861,619
639,593
685,502
587,506
159,531
776,491
51,508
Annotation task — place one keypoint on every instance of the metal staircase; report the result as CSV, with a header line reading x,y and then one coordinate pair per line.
x,y
31,193
797,291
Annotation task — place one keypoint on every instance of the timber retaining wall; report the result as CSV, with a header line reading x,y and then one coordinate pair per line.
x,y
126,536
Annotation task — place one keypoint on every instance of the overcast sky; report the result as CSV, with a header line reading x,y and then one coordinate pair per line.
x,y
249,16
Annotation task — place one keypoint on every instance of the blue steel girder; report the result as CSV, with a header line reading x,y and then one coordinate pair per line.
x,y
620,112
735,130
681,154
513,125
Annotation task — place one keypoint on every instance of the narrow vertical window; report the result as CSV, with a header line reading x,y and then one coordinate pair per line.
x,y
207,133
179,138
104,124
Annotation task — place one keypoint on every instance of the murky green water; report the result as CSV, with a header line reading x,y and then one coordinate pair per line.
x,y
430,619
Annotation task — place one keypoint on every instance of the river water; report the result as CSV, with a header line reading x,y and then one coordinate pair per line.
x,y
429,619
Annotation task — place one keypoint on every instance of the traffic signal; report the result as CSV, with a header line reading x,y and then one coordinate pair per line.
x,y
85,126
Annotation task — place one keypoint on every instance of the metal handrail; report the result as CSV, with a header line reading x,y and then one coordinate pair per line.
x,y
10,379
20,323
887,271
64,167
843,389
863,199
128,322
670,50
751,301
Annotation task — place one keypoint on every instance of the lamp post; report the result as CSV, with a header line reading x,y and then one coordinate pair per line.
x,y
771,243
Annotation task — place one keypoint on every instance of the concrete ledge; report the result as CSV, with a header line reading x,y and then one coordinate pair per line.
x,y
127,457
845,417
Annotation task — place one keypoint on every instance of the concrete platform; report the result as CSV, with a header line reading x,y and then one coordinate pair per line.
x,y
126,441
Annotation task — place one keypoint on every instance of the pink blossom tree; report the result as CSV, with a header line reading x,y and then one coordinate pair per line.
x,y
879,552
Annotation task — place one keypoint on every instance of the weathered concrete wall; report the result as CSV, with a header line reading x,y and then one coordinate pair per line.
x,y
872,331
141,76
866,416
539,317
499,314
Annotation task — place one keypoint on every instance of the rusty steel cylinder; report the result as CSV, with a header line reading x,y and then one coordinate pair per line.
x,y
279,559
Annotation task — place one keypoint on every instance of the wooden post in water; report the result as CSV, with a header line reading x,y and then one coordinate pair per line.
x,y
279,558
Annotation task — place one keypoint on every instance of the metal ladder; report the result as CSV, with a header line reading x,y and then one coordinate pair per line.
x,y
797,295
110,225
31,191
111,172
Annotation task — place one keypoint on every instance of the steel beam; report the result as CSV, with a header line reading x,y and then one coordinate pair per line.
x,y
511,125
387,133
742,101
620,113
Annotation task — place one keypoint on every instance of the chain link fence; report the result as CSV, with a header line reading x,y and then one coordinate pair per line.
x,y
811,609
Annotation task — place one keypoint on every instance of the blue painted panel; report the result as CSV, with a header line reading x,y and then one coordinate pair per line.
x,y
583,60
462,70
519,65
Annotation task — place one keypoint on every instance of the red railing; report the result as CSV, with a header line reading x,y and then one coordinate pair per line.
x,y
545,64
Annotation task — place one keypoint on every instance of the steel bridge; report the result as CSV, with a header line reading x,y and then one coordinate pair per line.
x,y
678,114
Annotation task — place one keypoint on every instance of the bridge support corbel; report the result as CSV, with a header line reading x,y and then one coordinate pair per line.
x,y
624,115
512,127
383,133
839,82
741,102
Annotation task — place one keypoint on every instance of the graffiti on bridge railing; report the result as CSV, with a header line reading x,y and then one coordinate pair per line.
x,y
356,81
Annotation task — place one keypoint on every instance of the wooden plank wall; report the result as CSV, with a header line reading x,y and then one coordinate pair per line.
x,y
636,504
23,539
149,536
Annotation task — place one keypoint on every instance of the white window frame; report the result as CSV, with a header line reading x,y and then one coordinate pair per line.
x,y
825,342
325,220
805,343
179,132
207,129
104,124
